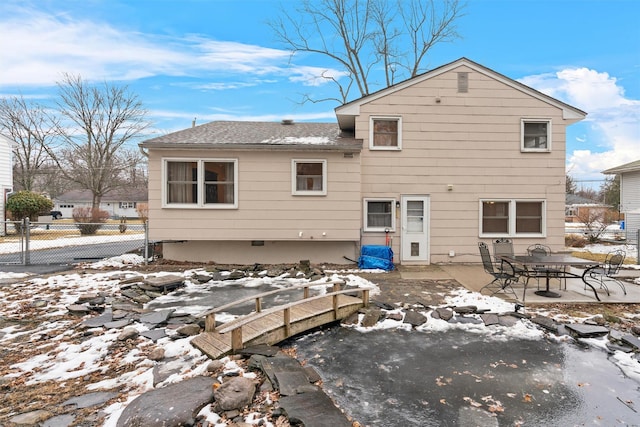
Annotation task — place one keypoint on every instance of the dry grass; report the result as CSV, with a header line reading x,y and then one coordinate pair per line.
x,y
597,257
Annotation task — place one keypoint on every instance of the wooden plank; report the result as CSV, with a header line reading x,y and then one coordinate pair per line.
x,y
286,316
211,345
210,322
236,339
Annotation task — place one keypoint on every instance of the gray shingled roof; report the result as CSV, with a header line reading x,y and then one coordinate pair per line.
x,y
259,135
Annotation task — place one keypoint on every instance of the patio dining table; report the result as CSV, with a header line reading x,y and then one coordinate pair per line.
x,y
555,266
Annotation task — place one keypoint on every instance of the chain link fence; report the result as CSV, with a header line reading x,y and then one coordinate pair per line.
x,y
67,242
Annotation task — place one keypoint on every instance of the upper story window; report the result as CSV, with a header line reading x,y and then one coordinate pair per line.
x,y
379,214
309,177
386,133
536,135
200,183
500,218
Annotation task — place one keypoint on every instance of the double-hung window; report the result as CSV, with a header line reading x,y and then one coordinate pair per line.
x,y
309,177
379,214
386,133
536,135
512,218
207,183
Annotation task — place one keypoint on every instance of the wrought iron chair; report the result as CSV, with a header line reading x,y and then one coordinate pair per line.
x,y
504,247
542,270
503,273
609,269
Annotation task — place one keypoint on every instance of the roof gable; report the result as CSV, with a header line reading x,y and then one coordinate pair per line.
x,y
346,113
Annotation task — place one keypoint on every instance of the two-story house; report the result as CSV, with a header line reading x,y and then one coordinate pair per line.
x,y
629,196
429,166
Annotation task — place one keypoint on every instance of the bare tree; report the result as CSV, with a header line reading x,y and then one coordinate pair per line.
x,y
595,221
570,185
33,129
363,35
96,123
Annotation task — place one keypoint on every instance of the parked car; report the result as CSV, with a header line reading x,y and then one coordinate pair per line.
x,y
56,214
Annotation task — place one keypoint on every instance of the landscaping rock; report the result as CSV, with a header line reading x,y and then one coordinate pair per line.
x,y
414,318
189,330
160,406
128,333
235,393
31,418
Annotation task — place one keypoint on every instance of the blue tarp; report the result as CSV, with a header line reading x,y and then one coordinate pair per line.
x,y
376,256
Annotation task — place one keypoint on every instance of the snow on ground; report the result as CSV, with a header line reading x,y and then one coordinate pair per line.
x,y
58,354
12,245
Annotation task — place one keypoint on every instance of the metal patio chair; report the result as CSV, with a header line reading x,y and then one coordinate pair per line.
x,y
606,273
504,247
503,273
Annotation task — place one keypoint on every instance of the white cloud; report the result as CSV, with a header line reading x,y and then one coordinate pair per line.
x,y
613,137
44,46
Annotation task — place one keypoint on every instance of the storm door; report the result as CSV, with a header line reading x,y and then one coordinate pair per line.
x,y
415,228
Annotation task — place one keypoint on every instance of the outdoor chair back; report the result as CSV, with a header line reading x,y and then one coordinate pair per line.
x,y
503,274
538,250
502,247
609,269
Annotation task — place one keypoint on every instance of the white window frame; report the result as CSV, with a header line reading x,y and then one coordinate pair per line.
x,y
200,183
294,178
549,133
511,227
365,210
127,205
372,119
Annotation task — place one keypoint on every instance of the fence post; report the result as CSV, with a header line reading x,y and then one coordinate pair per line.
x,y
26,227
146,242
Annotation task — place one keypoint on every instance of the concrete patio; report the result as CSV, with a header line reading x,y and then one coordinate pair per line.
x,y
473,277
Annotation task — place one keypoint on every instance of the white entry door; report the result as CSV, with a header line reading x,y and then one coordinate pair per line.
x,y
415,228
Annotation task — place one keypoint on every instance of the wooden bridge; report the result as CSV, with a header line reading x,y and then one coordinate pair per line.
x,y
270,326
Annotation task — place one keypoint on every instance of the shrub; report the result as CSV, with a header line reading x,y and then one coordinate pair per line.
x,y
27,204
575,241
143,211
89,220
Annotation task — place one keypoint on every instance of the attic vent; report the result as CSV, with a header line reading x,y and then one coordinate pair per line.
x,y
463,82
287,121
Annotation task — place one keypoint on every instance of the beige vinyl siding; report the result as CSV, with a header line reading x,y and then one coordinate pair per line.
x,y
469,140
267,210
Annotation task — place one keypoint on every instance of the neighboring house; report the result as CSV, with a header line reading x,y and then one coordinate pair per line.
x,y
119,203
629,196
429,166
6,173
578,208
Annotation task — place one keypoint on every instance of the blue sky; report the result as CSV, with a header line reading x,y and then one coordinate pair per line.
x,y
218,60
